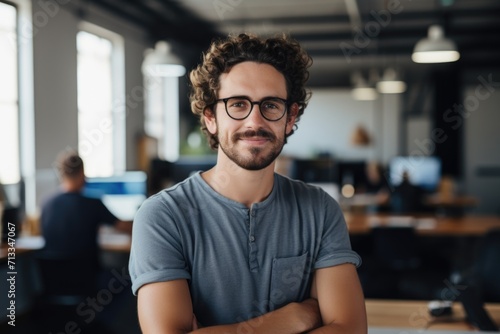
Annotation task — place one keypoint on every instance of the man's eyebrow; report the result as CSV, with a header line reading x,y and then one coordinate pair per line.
x,y
248,97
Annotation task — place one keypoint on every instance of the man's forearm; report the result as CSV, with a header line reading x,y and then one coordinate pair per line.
x,y
292,318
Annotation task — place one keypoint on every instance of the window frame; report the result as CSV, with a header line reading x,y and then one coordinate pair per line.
x,y
118,105
16,164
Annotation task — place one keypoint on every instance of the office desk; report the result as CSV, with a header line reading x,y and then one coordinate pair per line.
x,y
414,315
23,245
359,224
109,239
116,247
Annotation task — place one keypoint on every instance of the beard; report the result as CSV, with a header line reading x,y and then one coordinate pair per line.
x,y
257,158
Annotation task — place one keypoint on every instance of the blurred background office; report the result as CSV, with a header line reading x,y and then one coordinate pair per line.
x,y
109,78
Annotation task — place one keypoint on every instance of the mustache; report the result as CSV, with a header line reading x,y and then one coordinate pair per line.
x,y
254,133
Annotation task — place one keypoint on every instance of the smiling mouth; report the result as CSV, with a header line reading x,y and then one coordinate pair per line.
x,y
255,140
255,137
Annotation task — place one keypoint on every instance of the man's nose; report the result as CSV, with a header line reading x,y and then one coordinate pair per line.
x,y
255,115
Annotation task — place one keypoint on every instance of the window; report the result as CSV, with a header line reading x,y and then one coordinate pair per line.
x,y
162,115
101,117
9,105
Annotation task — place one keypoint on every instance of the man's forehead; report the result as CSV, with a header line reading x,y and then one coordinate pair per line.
x,y
253,76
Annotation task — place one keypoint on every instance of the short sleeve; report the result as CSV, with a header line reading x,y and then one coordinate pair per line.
x,y
156,252
335,247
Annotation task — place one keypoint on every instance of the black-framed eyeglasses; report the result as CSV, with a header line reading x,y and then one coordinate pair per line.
x,y
240,107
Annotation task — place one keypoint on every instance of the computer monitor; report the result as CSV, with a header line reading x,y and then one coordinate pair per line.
x,y
164,174
423,171
187,166
352,172
313,170
321,172
122,194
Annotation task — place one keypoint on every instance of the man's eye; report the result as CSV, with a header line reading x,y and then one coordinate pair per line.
x,y
238,104
270,105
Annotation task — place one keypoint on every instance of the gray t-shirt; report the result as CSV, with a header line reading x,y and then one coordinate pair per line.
x,y
240,263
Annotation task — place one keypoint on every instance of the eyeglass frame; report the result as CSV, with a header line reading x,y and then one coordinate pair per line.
x,y
252,103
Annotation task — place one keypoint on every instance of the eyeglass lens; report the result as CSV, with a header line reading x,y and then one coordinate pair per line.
x,y
240,108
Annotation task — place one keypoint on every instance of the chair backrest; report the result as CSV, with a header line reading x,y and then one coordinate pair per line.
x,y
396,247
67,279
406,198
488,266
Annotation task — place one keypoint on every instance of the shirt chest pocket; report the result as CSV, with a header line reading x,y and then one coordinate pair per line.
x,y
290,279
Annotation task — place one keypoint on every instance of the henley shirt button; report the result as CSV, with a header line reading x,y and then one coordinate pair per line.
x,y
252,238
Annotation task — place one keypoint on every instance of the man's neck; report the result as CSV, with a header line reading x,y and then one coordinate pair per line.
x,y
71,186
240,185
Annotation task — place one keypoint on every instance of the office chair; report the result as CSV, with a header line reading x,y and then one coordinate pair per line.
x,y
393,251
66,278
482,282
486,270
406,198
398,269
395,248
66,282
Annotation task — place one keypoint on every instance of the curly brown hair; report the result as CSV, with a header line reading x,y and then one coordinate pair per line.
x,y
282,52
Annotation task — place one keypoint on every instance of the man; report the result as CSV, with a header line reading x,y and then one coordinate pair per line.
x,y
69,220
239,248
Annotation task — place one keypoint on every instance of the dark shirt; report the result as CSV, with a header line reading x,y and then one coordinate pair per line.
x,y
407,198
70,223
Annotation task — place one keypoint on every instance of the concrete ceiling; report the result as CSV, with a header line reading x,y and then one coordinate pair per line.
x,y
341,35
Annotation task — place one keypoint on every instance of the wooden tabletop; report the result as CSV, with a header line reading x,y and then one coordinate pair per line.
x,y
112,240
415,315
109,240
425,225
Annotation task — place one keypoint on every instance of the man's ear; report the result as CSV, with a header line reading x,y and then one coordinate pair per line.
x,y
210,122
291,117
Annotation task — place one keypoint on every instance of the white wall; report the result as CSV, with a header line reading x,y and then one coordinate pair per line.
x,y
55,83
388,136
482,140
56,115
418,130
330,119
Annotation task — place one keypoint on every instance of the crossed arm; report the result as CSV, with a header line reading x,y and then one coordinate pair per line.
x,y
337,306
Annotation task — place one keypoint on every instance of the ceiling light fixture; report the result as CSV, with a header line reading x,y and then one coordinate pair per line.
x,y
161,62
390,84
435,48
362,91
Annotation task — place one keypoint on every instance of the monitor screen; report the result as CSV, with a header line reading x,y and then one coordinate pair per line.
x,y
122,194
164,174
352,172
424,172
313,170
